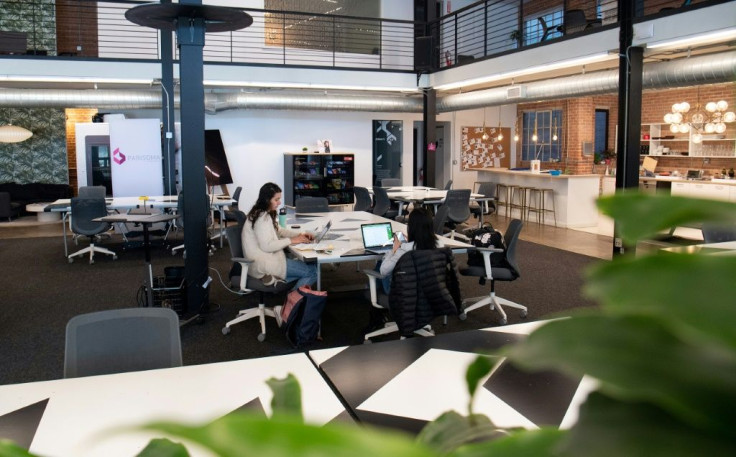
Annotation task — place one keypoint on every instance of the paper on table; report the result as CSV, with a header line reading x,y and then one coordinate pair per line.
x,y
313,246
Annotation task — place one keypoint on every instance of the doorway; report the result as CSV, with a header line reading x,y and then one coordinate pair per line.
x,y
97,152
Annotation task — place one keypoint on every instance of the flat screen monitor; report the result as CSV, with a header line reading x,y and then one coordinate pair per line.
x,y
215,159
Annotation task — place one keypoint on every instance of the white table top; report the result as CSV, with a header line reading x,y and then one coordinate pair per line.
x,y
80,413
724,248
158,201
349,247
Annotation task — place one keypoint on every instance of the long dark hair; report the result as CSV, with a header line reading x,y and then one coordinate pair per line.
x,y
263,204
421,229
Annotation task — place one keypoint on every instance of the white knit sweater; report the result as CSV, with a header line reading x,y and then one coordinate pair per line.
x,y
265,247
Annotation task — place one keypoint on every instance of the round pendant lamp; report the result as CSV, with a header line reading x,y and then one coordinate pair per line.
x,y
14,134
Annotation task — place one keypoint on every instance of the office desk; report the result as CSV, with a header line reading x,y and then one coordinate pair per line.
x,y
126,204
70,417
724,248
425,196
349,247
406,383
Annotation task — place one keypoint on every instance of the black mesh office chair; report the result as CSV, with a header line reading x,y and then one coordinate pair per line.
x,y
312,205
440,218
718,232
230,215
382,206
448,184
244,284
84,210
423,287
458,204
391,182
487,190
92,192
575,21
506,270
122,340
363,201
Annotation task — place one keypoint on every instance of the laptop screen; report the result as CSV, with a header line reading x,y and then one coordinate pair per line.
x,y
377,235
324,231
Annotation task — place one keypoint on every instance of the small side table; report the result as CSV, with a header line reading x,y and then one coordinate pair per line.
x,y
42,216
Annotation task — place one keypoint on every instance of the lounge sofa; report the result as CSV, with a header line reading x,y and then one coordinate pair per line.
x,y
14,197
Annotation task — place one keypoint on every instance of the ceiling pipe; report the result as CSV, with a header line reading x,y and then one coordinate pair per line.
x,y
709,69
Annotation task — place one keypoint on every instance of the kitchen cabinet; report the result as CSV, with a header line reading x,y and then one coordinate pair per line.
x,y
658,140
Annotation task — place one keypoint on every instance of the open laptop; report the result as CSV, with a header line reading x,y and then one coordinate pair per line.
x,y
324,236
378,238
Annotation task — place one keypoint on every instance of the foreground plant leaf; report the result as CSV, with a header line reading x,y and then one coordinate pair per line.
x,y
162,447
695,290
10,449
287,396
524,443
452,430
479,368
640,216
639,358
236,435
613,428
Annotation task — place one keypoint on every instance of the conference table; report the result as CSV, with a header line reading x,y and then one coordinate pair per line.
x,y
420,195
159,203
85,416
349,246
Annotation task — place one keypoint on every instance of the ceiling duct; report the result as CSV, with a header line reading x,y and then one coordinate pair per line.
x,y
515,92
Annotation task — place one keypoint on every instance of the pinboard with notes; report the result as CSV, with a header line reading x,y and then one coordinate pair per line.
x,y
480,154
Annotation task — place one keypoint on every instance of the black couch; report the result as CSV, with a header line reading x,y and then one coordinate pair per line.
x,y
14,197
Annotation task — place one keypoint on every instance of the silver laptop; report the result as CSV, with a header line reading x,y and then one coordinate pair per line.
x,y
378,238
324,236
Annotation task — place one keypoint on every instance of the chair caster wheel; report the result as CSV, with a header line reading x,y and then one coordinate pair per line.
x,y
503,321
261,337
462,316
225,330
91,262
523,313
71,260
114,257
367,342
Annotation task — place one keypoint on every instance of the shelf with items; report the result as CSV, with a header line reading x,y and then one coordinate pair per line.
x,y
319,175
658,140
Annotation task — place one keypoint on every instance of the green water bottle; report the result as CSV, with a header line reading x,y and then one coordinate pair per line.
x,y
282,217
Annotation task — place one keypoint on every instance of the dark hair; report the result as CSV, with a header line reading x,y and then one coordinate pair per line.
x,y
421,229
263,204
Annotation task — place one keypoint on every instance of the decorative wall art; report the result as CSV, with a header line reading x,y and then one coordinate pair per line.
x,y
480,154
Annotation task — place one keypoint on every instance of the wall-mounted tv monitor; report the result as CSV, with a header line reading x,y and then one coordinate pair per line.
x,y
215,159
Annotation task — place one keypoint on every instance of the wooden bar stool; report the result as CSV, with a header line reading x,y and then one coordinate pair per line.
x,y
519,200
537,204
503,197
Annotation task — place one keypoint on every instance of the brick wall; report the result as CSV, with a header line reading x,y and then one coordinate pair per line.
x,y
74,116
76,28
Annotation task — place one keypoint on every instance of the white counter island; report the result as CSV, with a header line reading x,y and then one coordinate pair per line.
x,y
575,195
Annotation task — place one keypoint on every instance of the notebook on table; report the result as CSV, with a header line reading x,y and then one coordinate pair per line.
x,y
378,237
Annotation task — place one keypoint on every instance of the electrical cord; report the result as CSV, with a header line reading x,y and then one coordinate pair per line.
x,y
234,292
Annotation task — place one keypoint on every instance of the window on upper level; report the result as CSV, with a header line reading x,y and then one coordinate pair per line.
x,y
534,29
546,125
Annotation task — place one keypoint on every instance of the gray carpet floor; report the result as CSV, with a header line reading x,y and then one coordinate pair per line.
x,y
42,291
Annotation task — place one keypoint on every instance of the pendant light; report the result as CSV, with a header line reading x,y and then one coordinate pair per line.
x,y
554,129
500,134
485,136
534,135
13,134
516,129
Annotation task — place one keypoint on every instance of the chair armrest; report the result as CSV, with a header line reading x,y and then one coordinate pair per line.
x,y
373,277
486,253
244,263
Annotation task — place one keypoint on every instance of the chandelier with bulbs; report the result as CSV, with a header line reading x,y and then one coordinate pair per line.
x,y
712,119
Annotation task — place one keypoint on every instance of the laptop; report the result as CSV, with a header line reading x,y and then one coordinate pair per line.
x,y
378,238
323,236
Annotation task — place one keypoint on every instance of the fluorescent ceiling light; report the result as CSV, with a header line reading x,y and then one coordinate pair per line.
x,y
73,79
526,71
694,40
286,85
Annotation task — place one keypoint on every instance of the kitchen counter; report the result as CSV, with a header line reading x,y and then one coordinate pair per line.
x,y
728,182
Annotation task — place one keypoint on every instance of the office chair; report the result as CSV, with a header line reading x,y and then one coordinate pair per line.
x,y
382,206
84,210
179,225
448,184
92,192
575,21
487,189
440,218
506,270
423,286
391,182
230,215
312,205
363,201
458,204
122,340
718,232
245,284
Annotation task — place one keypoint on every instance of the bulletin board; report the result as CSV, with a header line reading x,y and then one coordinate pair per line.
x,y
479,154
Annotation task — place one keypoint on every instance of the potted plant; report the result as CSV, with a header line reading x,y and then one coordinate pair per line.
x,y
515,36
608,156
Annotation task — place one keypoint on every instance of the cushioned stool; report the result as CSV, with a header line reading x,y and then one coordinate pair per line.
x,y
537,203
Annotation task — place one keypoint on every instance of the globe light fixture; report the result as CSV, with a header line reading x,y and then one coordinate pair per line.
x,y
13,134
712,119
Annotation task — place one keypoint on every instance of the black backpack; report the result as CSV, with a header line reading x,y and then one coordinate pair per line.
x,y
485,237
303,322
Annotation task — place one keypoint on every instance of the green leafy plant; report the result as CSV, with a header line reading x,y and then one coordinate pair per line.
x,y
661,346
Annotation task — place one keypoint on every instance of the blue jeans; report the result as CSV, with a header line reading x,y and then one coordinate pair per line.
x,y
386,280
306,274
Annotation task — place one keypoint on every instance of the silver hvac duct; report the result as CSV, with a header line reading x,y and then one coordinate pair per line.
x,y
710,69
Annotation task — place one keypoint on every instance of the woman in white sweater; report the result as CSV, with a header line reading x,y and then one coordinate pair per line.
x,y
264,242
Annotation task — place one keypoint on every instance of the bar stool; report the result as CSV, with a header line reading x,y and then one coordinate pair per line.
x,y
503,197
519,200
537,204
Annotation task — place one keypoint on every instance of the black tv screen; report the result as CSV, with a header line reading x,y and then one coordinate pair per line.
x,y
215,159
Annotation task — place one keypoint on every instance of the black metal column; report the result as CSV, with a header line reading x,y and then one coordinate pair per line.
x,y
629,112
167,110
429,118
190,34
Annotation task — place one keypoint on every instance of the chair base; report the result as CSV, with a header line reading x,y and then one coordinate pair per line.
x,y
495,303
391,327
91,249
260,312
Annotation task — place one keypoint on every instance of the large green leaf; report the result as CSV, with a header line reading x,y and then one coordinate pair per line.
x,y
612,428
639,358
10,449
480,367
287,396
161,447
526,443
639,216
696,290
451,430
240,434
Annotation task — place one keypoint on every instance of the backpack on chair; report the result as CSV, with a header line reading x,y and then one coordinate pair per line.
x,y
485,237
